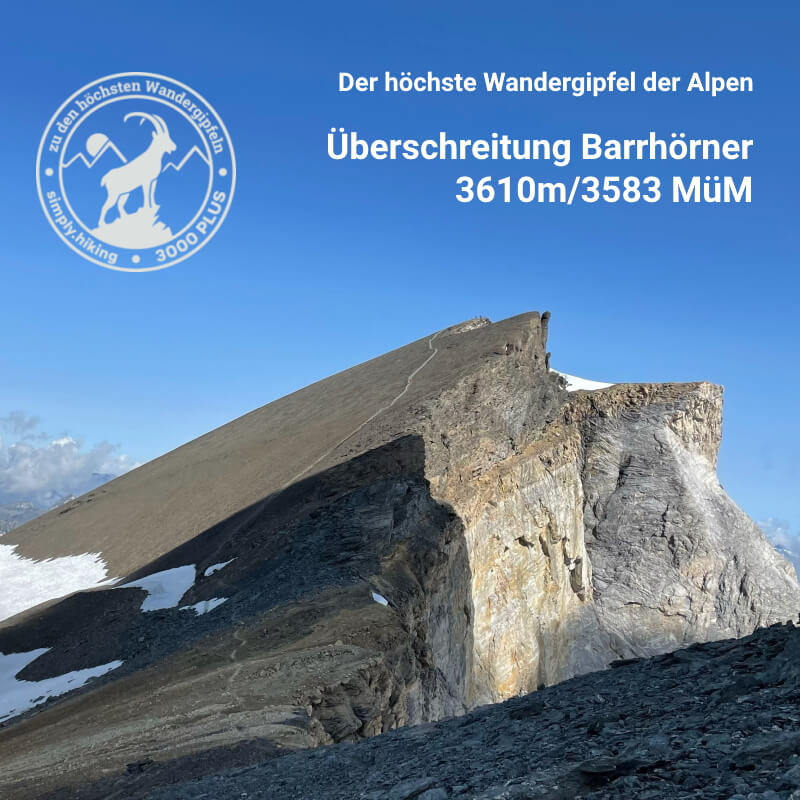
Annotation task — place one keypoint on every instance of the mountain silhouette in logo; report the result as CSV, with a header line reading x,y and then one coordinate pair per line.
x,y
109,154
195,151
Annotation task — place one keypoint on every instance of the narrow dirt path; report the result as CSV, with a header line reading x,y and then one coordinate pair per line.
x,y
241,642
409,381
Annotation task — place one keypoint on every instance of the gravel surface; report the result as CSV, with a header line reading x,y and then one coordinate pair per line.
x,y
717,720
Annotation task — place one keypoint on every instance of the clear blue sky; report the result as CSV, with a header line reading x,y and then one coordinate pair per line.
x,y
323,264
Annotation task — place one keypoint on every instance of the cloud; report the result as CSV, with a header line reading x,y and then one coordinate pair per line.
x,y
37,467
785,541
779,533
19,423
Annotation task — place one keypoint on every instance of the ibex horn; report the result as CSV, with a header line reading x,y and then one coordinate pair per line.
x,y
156,122
162,123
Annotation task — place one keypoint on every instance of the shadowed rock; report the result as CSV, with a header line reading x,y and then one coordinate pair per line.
x,y
675,726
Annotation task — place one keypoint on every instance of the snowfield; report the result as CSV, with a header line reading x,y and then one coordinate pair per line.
x,y
575,384
204,606
216,567
164,589
26,583
18,696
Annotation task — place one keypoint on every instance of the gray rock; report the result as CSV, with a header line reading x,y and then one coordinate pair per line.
x,y
434,794
500,758
410,788
792,775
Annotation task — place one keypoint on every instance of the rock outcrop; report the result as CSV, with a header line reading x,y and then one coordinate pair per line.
x,y
438,528
673,559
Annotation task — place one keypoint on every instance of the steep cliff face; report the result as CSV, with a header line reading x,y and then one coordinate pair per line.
x,y
674,560
599,531
440,527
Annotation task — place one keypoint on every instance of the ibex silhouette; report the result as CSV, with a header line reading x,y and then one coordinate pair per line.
x,y
142,171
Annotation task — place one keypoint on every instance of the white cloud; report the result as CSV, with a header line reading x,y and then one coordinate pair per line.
x,y
18,422
784,540
40,468
777,531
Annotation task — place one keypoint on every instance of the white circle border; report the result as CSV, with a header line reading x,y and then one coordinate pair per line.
x,y
83,253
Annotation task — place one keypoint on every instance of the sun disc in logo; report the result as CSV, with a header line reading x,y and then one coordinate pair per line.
x,y
136,172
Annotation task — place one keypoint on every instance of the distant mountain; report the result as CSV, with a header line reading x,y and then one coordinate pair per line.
x,y
785,541
12,515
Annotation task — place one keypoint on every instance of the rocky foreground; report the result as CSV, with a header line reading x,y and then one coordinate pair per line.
x,y
715,720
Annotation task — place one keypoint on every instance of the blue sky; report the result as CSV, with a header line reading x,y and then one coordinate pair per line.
x,y
322,264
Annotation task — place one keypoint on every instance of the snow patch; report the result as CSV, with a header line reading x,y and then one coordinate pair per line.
x,y
18,696
204,606
379,598
575,384
164,589
216,567
26,582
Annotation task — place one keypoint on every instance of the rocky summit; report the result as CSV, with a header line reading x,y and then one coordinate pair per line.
x,y
449,525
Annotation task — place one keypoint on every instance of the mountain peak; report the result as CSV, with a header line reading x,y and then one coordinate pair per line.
x,y
438,528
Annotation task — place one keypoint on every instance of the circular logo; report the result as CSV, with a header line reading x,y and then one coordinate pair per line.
x,y
136,172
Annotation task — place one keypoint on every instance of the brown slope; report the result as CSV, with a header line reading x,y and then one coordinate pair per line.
x,y
140,516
